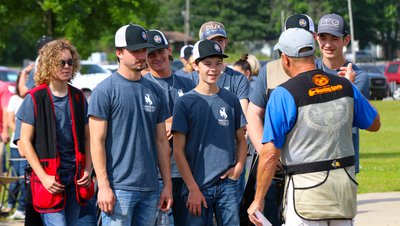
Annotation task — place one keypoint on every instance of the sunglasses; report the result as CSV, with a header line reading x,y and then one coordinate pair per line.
x,y
70,62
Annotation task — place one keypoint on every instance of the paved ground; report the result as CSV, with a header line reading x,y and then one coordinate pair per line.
x,y
378,209
374,209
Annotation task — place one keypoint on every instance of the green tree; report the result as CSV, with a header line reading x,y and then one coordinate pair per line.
x,y
89,25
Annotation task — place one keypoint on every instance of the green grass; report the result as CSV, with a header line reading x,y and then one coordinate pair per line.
x,y
380,152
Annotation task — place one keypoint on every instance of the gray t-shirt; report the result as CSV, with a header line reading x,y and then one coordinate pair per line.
x,y
132,110
210,124
173,88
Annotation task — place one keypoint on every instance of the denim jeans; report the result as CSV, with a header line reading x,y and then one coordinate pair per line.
x,y
88,213
137,208
222,200
70,214
177,215
18,187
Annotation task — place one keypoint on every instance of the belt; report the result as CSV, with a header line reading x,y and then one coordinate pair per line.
x,y
319,166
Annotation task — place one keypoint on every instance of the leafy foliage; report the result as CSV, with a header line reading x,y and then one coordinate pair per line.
x,y
91,24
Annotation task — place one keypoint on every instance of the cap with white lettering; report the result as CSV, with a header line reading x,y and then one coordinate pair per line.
x,y
332,24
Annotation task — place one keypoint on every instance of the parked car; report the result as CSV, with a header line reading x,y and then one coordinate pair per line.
x,y
90,75
111,68
378,84
392,73
9,76
361,56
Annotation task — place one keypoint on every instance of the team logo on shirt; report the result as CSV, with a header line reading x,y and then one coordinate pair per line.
x,y
224,121
157,39
180,92
148,106
322,82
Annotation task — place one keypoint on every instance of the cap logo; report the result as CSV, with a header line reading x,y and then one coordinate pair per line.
x,y
157,39
330,22
144,35
216,47
213,27
302,22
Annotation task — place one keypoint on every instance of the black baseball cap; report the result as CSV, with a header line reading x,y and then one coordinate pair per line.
x,y
300,21
132,37
157,39
43,41
207,48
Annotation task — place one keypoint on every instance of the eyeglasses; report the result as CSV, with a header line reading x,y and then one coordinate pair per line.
x,y
70,62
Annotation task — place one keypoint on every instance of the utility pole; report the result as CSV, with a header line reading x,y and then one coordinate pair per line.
x,y
353,52
187,21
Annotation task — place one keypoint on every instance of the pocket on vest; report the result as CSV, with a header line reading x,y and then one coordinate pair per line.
x,y
326,195
43,201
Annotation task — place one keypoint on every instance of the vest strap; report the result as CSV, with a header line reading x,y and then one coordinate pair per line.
x,y
319,166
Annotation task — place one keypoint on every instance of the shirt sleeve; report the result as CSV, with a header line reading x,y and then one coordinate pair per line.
x,y
243,87
240,119
164,112
280,117
26,111
362,82
364,113
258,94
100,103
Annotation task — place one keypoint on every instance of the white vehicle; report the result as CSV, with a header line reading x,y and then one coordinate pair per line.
x,y
90,75
111,68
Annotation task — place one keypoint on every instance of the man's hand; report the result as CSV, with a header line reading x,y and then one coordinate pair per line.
x,y
5,137
194,202
51,185
84,180
233,173
348,72
252,212
165,202
106,199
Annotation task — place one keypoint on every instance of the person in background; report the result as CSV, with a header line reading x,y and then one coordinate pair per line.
x,y
129,143
184,56
60,156
173,87
243,66
332,37
210,156
27,82
17,163
300,115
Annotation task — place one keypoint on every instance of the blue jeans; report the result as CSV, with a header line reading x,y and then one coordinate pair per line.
x,y
222,200
17,187
176,214
88,213
70,214
137,208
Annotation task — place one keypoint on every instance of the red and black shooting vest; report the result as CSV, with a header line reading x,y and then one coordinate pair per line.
x,y
45,144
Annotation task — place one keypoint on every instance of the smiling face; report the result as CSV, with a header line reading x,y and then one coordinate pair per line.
x,y
158,61
331,46
209,69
